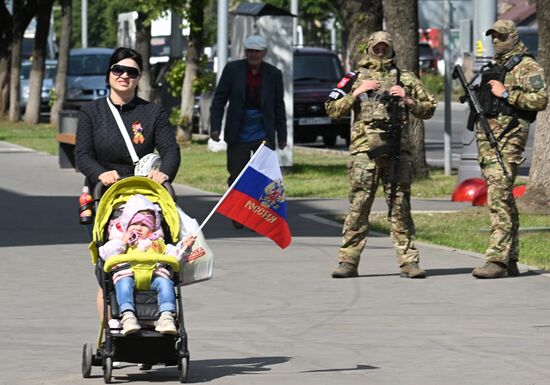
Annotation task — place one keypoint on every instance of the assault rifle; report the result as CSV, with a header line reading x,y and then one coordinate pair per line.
x,y
479,115
395,141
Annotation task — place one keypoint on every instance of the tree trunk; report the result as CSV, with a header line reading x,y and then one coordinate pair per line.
x,y
360,18
44,11
143,46
4,85
192,65
6,29
402,23
62,61
15,73
537,196
23,12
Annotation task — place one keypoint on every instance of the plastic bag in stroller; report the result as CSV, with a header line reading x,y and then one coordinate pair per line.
x,y
146,346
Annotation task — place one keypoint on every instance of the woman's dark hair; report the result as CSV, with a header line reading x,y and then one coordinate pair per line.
x,y
122,53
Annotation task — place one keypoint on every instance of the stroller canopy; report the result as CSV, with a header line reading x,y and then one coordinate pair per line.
x,y
119,193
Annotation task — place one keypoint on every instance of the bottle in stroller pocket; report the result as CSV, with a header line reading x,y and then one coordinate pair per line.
x,y
86,206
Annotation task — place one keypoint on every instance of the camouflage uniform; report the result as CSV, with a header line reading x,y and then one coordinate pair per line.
x,y
364,173
526,92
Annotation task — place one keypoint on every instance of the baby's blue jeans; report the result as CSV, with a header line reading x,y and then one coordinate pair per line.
x,y
165,294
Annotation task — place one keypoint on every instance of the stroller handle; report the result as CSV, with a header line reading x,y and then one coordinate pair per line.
x,y
99,189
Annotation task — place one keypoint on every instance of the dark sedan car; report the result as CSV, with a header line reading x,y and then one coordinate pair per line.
x,y
316,73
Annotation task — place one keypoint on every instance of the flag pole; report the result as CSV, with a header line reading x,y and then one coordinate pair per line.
x,y
228,190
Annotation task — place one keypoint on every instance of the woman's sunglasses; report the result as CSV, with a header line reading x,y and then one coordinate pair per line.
x,y
118,70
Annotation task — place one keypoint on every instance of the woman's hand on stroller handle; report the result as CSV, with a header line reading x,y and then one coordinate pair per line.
x,y
109,177
158,176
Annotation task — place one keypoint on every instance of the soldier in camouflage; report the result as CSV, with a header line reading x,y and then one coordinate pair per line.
x,y
363,92
510,103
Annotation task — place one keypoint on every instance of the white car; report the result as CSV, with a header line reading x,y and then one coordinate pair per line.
x,y
87,73
47,84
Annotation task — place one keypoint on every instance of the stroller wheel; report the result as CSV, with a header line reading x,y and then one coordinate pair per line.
x,y
183,367
87,357
107,369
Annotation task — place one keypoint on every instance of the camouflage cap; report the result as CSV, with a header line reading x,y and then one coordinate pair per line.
x,y
379,37
502,26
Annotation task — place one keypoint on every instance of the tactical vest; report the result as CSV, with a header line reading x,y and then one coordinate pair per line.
x,y
376,112
492,105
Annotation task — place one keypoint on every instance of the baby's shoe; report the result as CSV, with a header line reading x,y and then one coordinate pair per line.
x,y
129,323
165,324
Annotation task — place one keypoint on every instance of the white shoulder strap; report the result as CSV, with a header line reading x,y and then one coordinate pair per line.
x,y
120,123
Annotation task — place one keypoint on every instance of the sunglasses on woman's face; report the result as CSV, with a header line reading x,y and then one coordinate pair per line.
x,y
119,70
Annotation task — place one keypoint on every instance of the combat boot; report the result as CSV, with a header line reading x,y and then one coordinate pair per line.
x,y
412,270
490,270
345,270
513,270
129,323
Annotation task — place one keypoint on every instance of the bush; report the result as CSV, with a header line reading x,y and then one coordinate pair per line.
x,y
435,84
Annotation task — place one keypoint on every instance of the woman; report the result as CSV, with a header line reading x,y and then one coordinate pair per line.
x,y
101,153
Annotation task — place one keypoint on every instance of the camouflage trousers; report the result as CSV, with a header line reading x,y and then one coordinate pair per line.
x,y
364,177
503,240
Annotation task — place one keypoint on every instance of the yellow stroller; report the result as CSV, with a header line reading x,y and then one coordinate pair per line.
x,y
146,346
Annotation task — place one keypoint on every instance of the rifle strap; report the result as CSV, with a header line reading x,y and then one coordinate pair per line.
x,y
513,124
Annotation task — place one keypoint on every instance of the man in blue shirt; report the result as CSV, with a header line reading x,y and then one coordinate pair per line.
x,y
256,109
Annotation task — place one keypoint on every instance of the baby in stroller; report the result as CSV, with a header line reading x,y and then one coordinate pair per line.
x,y
138,230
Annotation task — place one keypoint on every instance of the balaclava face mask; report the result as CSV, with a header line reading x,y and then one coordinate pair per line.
x,y
376,38
503,47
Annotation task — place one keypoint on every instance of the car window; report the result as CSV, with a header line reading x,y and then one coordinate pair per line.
x,y
49,71
25,71
319,67
86,65
26,48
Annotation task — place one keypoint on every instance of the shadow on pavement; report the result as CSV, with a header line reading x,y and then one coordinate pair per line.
x,y
468,270
205,370
50,220
453,271
358,367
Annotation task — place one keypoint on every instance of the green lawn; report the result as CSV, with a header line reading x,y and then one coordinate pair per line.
x,y
313,174
469,230
39,137
320,175
323,175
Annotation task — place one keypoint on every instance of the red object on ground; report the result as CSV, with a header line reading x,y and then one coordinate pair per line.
x,y
480,198
519,190
467,189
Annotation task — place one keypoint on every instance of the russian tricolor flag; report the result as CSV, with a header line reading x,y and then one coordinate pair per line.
x,y
257,198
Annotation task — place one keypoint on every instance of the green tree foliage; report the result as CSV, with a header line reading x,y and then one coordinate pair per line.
x,y
102,21
205,82
313,16
103,16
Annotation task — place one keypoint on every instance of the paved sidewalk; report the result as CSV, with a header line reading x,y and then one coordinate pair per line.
x,y
269,316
